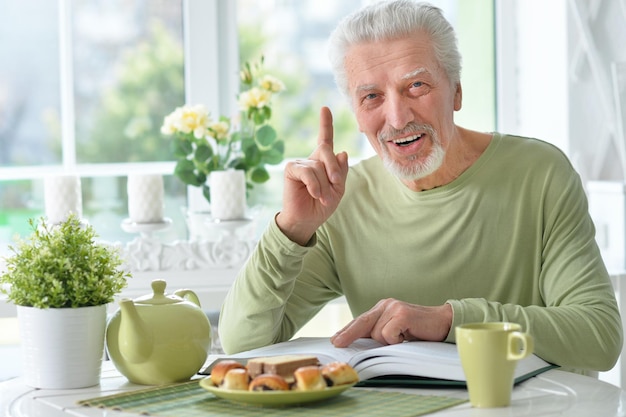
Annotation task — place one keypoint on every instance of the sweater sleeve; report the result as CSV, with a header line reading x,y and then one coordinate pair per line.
x,y
270,298
580,326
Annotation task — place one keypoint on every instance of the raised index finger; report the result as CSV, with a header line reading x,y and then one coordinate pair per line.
x,y
326,128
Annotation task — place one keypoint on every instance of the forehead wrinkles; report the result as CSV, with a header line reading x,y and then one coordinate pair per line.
x,y
378,58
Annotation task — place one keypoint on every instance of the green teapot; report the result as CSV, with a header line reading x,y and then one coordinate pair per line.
x,y
159,339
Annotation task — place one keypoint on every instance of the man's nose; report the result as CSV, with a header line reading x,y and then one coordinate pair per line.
x,y
399,112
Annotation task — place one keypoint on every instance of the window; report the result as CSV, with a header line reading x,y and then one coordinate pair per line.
x,y
85,91
87,86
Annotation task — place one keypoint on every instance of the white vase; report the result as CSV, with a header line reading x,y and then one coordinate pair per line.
x,y
62,348
228,194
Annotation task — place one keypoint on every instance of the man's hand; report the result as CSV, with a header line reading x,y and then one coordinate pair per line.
x,y
391,321
313,187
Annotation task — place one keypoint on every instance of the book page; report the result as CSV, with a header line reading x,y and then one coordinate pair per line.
x,y
402,368
319,346
413,351
428,359
370,358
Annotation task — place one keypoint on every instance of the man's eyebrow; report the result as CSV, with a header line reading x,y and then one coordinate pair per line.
x,y
365,87
414,73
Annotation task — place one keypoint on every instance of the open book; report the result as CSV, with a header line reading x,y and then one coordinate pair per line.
x,y
408,363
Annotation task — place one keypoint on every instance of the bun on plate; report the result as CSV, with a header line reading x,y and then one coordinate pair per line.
x,y
309,378
221,368
339,373
236,379
268,382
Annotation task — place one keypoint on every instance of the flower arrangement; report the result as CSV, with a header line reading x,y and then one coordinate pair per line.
x,y
248,142
62,266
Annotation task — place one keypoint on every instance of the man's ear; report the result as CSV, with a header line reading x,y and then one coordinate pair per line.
x,y
458,97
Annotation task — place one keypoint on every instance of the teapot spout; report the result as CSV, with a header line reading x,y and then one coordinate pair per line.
x,y
135,340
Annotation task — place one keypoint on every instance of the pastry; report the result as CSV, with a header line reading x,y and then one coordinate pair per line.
x,y
309,378
268,382
339,373
236,379
219,370
283,365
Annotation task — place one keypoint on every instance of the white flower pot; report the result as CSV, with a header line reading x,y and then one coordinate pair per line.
x,y
62,348
228,194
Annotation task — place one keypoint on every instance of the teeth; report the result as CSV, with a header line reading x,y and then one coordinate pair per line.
x,y
407,139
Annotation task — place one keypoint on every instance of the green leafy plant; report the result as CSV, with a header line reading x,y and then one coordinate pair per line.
x,y
60,266
202,145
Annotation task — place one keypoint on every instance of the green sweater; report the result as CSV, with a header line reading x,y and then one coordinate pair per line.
x,y
509,240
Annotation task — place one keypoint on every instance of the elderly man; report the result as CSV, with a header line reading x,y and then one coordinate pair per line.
x,y
444,226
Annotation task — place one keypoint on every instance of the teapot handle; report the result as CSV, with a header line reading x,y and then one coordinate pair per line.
x,y
188,295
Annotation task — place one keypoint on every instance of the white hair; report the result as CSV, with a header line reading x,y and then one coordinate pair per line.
x,y
391,20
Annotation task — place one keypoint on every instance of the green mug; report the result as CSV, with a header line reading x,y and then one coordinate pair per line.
x,y
489,353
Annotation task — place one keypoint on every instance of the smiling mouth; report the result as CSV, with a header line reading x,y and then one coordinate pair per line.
x,y
407,140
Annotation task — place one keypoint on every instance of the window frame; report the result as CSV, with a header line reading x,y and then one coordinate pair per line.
x,y
211,77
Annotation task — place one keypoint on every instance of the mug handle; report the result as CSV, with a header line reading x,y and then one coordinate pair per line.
x,y
517,339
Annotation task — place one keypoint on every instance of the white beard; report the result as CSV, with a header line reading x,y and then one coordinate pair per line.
x,y
417,170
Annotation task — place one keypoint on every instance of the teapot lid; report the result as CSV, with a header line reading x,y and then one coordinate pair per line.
x,y
159,297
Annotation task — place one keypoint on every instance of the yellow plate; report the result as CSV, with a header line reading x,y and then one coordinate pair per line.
x,y
273,398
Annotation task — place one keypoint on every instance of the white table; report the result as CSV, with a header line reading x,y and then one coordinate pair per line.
x,y
553,393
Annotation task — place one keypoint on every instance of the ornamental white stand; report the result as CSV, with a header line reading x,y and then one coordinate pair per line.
x,y
147,253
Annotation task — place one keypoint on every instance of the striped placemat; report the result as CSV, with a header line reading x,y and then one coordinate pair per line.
x,y
189,399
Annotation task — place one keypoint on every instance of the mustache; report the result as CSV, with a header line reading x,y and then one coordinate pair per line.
x,y
410,128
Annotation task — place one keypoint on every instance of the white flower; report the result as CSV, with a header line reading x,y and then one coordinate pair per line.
x,y
219,130
187,119
272,84
168,125
255,97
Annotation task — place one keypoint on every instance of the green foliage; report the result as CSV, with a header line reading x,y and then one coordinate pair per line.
x,y
61,266
297,122
196,159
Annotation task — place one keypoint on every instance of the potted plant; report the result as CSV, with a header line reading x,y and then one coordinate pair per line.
x,y
61,280
247,142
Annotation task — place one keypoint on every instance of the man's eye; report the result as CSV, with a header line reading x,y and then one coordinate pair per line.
x,y
371,96
417,84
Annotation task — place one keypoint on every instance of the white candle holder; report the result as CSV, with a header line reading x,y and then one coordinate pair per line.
x,y
62,196
145,229
229,248
145,198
